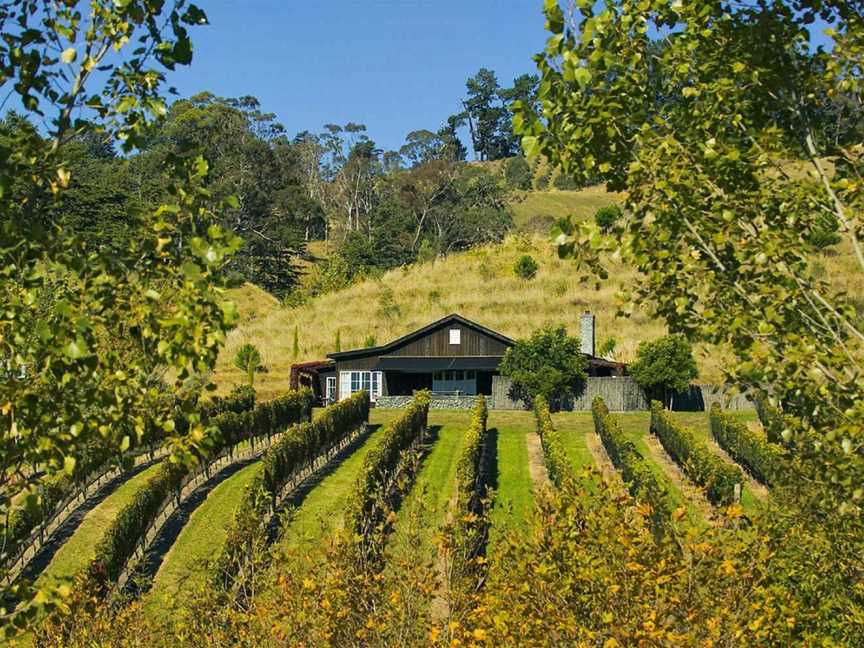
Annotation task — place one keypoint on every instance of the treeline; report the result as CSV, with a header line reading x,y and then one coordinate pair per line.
x,y
379,209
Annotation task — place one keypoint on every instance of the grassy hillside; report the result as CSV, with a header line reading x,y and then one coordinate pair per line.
x,y
479,284
536,211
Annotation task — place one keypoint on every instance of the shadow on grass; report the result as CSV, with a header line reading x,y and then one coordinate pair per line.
x,y
299,495
67,529
147,569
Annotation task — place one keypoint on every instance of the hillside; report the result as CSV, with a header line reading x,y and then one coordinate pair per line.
x,y
479,284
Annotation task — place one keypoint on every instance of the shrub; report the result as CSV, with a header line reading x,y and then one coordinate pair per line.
x,y
664,366
471,524
369,342
543,181
702,466
248,360
565,182
765,461
549,364
606,217
298,448
554,454
366,509
641,481
526,267
517,172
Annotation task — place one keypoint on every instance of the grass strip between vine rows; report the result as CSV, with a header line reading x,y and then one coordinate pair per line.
x,y
699,462
640,479
766,461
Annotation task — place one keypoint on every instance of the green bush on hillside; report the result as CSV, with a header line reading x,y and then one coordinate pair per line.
x,y
606,217
565,182
526,267
517,172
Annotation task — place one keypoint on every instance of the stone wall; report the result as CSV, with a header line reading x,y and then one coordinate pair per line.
x,y
623,394
438,401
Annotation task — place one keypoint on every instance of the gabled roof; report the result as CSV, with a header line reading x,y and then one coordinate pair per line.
x,y
444,321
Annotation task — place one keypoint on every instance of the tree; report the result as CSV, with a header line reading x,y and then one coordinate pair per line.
x,y
517,172
97,342
248,360
718,219
549,363
487,116
255,165
295,346
665,366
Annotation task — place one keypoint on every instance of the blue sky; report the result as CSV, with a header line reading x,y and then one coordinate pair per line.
x,y
394,65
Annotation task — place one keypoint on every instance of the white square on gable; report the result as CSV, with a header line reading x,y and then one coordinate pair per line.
x,y
455,336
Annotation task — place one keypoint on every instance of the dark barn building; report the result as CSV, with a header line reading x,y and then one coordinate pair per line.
x,y
451,356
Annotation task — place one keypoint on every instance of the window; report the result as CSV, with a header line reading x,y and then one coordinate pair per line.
x,y
330,395
469,375
354,381
455,336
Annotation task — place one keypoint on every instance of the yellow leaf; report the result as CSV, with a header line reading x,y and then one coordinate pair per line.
x,y
68,55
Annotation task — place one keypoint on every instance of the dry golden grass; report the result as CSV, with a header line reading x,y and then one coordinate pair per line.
x,y
537,211
478,284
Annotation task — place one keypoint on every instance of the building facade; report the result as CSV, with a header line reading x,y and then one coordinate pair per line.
x,y
450,357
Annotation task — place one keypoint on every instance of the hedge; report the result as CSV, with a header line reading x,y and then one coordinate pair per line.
x,y
554,455
771,418
364,511
55,490
468,469
300,445
470,528
701,465
127,529
765,461
642,482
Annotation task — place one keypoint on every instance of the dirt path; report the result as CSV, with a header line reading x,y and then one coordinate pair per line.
x,y
536,465
673,472
439,609
759,490
598,453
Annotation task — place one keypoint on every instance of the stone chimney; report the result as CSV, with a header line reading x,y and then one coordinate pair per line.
x,y
586,333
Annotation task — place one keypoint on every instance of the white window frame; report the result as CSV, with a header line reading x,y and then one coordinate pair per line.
x,y
331,389
354,381
455,336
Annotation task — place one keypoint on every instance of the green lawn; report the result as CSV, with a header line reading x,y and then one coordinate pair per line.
x,y
425,507
573,428
514,497
77,552
700,423
201,538
323,508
